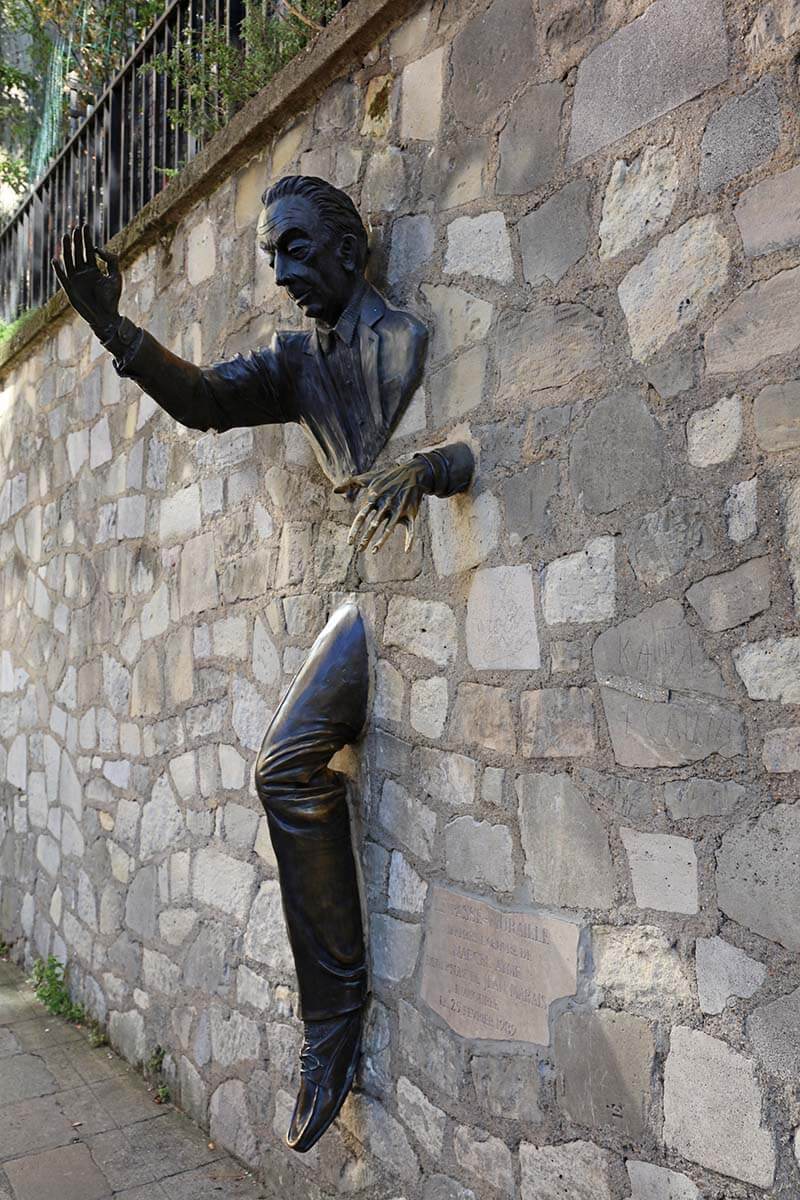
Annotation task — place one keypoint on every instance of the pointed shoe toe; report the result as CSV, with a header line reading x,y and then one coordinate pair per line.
x,y
328,1065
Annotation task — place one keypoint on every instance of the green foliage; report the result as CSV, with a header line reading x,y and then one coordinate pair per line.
x,y
155,1062
215,77
49,984
8,329
162,1094
5,950
97,1034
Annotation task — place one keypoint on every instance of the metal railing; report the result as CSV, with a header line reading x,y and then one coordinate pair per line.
x,y
118,159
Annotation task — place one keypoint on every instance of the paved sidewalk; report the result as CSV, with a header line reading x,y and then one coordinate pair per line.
x,y
77,1123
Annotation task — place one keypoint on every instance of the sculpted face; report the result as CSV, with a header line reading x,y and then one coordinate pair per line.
x,y
319,272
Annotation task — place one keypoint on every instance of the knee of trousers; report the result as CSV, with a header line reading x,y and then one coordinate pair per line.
x,y
290,772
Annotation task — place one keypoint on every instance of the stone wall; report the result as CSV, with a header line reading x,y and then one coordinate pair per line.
x,y
586,669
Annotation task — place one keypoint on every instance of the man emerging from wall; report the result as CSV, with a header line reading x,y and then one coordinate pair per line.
x,y
347,382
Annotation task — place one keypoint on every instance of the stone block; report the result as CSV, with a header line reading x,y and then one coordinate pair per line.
x,y
727,600
776,411
229,1123
669,289
774,1033
566,846
491,56
604,1061
436,1054
464,531
384,187
637,966
529,141
663,696
424,628
663,871
127,1035
741,511
664,541
459,319
265,938
201,252
770,670
740,136
407,890
425,1120
581,588
162,821
501,622
617,457
223,882
429,703
382,1135
421,97
723,971
413,242
624,84
482,716
141,905
713,434
638,200
691,798
558,723
179,515
408,820
767,214
389,692
781,753
571,1171
712,1108
761,323
449,779
546,347
394,947
477,852
197,586
527,496
507,1086
758,879
555,235
480,246
485,1157
657,1183
457,388
250,184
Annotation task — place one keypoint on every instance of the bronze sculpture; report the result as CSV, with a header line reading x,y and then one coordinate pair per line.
x,y
347,382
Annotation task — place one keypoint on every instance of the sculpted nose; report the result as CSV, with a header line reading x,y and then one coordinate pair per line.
x,y
283,270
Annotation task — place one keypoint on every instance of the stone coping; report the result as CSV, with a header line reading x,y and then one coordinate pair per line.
x,y
351,33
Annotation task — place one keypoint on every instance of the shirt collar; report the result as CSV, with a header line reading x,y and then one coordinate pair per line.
x,y
345,327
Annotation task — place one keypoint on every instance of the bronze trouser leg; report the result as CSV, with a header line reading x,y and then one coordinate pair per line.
x,y
324,709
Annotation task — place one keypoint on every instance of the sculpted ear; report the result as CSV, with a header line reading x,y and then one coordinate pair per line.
x,y
348,252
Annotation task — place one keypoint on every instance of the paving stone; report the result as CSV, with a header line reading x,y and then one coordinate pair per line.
x,y
529,140
141,904
480,245
758,877
410,821
618,456
425,1120
421,101
638,200
663,870
251,714
485,1157
774,1033
546,346
234,1038
455,173
712,1108
776,411
767,214
581,588
761,323
558,723
565,844
726,600
604,1062
663,542
501,621
482,716
162,821
740,136
571,1171
477,852
663,697
623,84
425,628
527,496
490,58
672,285
638,967
555,235
25,1077
690,798
741,511
770,670
208,1183
723,971
657,1183
67,1171
713,434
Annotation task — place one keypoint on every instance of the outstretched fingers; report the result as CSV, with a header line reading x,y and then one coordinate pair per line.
x,y
78,253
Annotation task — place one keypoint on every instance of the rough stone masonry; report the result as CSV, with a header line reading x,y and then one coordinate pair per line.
x,y
588,669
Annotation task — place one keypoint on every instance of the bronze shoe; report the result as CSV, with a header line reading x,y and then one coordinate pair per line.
x,y
328,1063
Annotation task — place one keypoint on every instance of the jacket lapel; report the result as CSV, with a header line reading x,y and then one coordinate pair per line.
x,y
370,343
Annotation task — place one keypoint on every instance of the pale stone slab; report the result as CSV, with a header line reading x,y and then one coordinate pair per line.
x,y
791,519
558,723
421,102
501,621
459,318
741,511
425,1120
781,752
201,253
571,1171
723,971
617,457
774,1033
661,543
646,69
426,628
491,57
703,798
713,434
663,870
768,214
581,588
669,289
482,716
770,670
733,597
507,1086
712,1108
638,200
547,346
604,1064
477,852
480,246
485,1157
464,531
758,874
657,1183
761,323
776,411
638,967
493,973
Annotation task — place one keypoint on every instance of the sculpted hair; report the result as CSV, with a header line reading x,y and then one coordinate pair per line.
x,y
337,212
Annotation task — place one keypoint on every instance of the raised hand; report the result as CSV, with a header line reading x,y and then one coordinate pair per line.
x,y
394,495
91,292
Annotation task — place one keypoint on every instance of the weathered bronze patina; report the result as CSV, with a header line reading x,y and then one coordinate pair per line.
x,y
347,382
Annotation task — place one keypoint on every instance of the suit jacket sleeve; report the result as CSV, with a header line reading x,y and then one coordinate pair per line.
x,y
241,391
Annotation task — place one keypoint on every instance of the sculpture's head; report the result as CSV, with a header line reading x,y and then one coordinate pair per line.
x,y
316,242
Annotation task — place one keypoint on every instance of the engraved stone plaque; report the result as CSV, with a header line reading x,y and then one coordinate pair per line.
x,y
493,973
